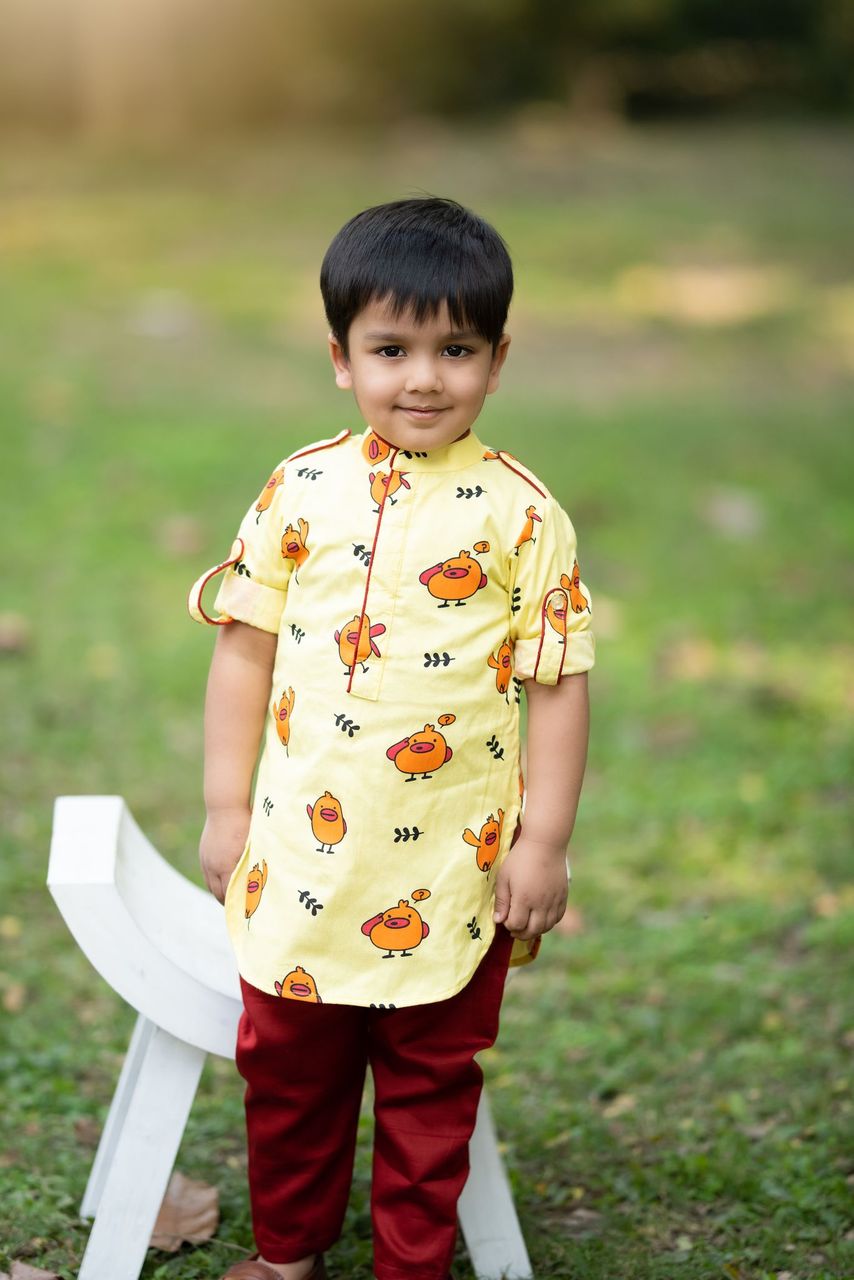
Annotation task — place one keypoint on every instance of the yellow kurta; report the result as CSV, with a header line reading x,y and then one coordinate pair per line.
x,y
412,593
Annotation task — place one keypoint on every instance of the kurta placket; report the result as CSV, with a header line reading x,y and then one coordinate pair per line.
x,y
381,582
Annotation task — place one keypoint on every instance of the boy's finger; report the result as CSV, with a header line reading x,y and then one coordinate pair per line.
x,y
500,902
517,922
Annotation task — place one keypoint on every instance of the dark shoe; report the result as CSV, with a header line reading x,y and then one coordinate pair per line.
x,y
252,1269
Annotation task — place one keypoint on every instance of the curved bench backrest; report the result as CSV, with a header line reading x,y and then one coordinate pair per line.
x,y
157,939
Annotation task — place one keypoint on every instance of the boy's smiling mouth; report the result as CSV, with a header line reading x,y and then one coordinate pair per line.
x,y
423,411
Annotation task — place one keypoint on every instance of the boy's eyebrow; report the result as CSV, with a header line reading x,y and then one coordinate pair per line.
x,y
448,337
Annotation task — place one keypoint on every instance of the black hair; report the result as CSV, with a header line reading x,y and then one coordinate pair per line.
x,y
418,253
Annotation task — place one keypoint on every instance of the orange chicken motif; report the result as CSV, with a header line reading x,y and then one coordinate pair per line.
x,y
500,661
327,821
298,985
488,842
375,449
577,597
420,752
356,643
255,881
294,545
269,492
390,481
527,534
282,711
398,928
556,606
457,579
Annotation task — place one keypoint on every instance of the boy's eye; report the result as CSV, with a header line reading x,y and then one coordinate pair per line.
x,y
391,351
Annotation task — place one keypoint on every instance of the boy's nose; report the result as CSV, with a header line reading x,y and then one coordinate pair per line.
x,y
423,376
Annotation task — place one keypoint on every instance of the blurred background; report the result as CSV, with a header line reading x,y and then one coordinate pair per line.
x,y
167,67
674,179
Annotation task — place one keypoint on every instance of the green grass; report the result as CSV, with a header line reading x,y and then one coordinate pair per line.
x,y
671,1081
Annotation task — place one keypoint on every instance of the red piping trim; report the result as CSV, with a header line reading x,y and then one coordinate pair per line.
x,y
370,567
540,491
217,622
544,623
315,448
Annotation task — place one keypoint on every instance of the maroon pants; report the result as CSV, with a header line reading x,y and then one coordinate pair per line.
x,y
304,1066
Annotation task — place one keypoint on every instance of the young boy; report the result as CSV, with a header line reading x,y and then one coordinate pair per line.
x,y
387,597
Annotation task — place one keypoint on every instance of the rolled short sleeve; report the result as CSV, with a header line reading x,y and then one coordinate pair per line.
x,y
256,574
550,607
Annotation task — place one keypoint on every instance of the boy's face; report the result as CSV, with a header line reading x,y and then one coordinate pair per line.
x,y
419,386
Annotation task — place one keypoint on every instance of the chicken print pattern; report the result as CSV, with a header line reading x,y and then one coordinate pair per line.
x,y
282,712
327,821
398,929
255,882
422,753
411,593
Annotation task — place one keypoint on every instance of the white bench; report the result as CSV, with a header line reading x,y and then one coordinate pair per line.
x,y
161,943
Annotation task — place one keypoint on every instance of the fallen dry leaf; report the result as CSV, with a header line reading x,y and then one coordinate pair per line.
x,y
581,1222
622,1103
21,1271
189,1214
758,1131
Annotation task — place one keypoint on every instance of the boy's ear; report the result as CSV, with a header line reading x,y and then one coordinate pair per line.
x,y
497,361
340,363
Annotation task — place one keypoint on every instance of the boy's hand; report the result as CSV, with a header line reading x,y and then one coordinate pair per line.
x,y
223,841
531,888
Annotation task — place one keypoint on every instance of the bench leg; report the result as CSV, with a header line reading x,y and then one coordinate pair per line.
x,y
134,1058
486,1210
137,1152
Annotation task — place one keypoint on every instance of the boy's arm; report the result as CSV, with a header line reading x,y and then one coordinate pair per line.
x,y
558,727
236,703
531,886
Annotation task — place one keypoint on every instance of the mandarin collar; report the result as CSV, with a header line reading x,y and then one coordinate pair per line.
x,y
464,452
